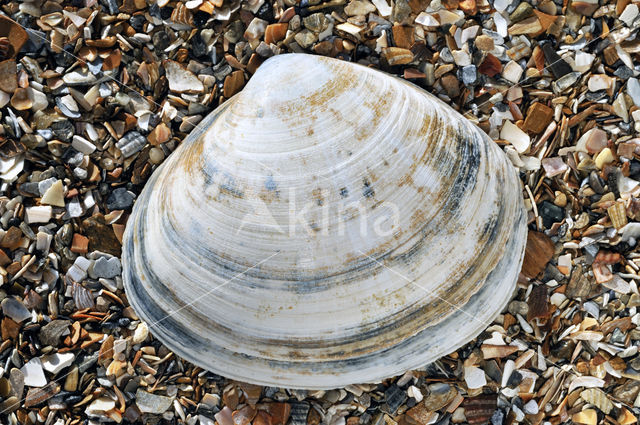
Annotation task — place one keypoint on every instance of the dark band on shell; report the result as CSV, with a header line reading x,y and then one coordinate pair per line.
x,y
227,279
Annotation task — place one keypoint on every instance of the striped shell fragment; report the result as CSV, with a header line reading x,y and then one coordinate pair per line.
x,y
328,225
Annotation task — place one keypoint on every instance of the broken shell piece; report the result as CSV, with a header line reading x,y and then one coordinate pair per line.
x,y
15,36
22,99
323,225
10,168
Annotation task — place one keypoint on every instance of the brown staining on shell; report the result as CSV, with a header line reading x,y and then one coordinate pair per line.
x,y
290,258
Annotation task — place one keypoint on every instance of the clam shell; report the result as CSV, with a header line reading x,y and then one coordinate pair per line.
x,y
328,225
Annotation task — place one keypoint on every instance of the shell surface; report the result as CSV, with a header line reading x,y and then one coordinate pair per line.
x,y
328,225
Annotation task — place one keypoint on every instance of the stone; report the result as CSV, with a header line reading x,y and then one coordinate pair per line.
x,y
531,408
480,409
519,307
11,403
451,85
484,43
156,155
501,5
413,392
78,271
10,329
44,185
579,285
152,403
625,417
497,351
140,334
349,28
426,19
160,40
120,199
74,209
620,107
623,72
469,75
383,7
11,238
244,415
469,7
188,123
523,11
279,412
119,346
300,413
584,7
15,309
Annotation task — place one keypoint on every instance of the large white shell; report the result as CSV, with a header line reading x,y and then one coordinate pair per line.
x,y
247,254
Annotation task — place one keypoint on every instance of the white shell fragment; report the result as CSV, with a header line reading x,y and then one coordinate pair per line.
x,y
328,225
